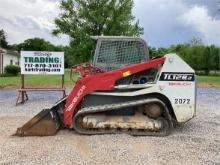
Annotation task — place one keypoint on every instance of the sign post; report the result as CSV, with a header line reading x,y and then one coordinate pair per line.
x,y
40,63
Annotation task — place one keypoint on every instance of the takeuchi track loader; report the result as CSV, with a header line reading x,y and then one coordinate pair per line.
x,y
122,91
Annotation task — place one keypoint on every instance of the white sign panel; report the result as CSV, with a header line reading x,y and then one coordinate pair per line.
x,y
41,62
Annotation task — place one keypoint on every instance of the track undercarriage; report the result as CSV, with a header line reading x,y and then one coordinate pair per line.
x,y
150,117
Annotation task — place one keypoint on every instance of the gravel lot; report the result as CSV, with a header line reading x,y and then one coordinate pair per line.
x,y
196,142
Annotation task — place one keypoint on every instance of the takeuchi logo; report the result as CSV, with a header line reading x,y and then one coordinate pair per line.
x,y
76,98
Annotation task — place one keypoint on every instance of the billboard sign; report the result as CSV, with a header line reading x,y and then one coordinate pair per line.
x,y
42,62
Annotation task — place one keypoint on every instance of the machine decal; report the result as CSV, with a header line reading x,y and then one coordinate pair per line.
x,y
180,83
175,76
127,73
75,99
182,101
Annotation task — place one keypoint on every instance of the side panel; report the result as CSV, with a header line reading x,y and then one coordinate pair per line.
x,y
178,82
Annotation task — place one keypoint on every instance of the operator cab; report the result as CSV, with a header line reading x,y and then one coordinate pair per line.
x,y
113,52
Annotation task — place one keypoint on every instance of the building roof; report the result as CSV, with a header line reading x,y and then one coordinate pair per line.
x,y
11,52
2,50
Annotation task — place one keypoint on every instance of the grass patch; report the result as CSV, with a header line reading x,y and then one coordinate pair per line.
x,y
209,81
36,80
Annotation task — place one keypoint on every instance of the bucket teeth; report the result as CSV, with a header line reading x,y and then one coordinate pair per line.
x,y
45,123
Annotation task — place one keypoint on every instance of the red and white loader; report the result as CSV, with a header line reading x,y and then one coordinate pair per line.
x,y
122,91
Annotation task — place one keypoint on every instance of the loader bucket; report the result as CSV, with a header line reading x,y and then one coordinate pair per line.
x,y
45,123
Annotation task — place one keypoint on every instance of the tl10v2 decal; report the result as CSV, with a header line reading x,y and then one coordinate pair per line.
x,y
175,76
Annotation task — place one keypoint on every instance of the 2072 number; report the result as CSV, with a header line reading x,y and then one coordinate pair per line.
x,y
182,101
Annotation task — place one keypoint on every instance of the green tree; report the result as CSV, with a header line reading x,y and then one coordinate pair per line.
x,y
215,58
152,52
196,41
206,60
3,41
37,44
80,19
199,56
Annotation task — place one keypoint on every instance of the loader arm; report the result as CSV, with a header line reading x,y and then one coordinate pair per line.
x,y
99,82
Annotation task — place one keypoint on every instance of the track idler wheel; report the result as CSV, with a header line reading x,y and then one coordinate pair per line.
x,y
152,110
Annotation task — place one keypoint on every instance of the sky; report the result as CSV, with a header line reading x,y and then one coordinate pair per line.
x,y
165,22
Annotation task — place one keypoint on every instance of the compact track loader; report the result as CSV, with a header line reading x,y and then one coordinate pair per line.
x,y
122,91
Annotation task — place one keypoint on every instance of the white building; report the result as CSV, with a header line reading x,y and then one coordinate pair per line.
x,y
8,57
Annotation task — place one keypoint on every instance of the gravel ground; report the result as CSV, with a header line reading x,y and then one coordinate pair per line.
x,y
196,142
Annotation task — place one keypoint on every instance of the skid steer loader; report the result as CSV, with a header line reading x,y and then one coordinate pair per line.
x,y
122,91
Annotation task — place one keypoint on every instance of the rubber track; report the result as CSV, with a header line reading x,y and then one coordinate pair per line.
x,y
110,107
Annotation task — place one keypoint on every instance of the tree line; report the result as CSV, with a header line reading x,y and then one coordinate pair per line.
x,y
199,56
202,58
80,19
